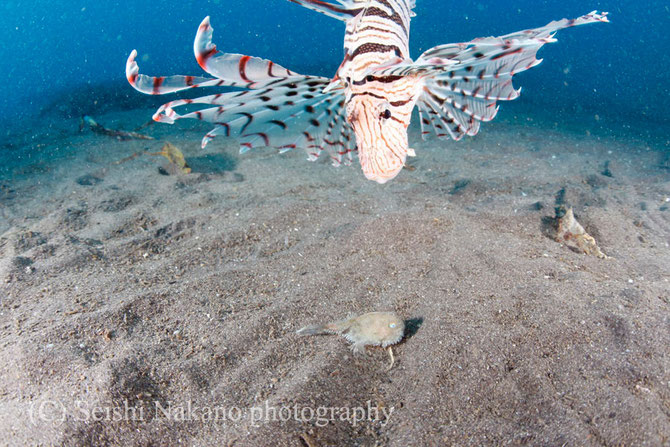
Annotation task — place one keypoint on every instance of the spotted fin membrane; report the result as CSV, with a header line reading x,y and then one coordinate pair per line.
x,y
275,107
462,82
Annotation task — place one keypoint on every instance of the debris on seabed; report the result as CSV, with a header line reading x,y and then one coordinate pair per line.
x,y
118,134
308,440
128,158
571,233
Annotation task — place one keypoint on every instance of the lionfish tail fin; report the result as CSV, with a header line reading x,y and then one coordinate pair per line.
x,y
463,82
276,107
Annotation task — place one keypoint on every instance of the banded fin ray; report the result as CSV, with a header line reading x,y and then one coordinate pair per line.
x,y
162,85
241,70
278,108
229,70
346,9
462,82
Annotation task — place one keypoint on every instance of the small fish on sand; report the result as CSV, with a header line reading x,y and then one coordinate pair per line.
x,y
371,329
175,157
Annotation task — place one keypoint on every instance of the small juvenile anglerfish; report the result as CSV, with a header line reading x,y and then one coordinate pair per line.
x,y
371,329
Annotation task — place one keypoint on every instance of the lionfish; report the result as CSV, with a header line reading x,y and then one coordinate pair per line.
x,y
367,106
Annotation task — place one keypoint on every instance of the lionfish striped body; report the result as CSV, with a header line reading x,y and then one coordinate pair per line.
x,y
367,106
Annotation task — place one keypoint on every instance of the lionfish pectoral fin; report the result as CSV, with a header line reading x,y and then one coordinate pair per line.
x,y
346,9
462,82
277,107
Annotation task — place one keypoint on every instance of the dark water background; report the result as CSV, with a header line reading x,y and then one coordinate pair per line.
x,y
61,58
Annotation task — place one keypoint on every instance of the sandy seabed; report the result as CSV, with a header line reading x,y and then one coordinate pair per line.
x,y
141,309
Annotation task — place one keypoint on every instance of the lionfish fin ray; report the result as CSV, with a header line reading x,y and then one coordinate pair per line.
x,y
161,85
236,69
346,9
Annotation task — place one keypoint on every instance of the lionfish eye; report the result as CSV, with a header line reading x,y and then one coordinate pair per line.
x,y
386,114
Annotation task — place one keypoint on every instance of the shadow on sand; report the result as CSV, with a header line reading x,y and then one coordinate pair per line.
x,y
212,163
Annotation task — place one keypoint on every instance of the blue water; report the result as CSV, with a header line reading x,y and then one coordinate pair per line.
x,y
55,47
